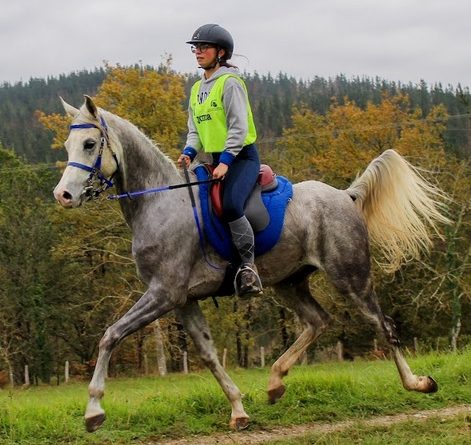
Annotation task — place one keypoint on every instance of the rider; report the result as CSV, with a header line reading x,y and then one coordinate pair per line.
x,y
220,122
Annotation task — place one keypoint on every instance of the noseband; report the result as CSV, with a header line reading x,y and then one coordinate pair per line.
x,y
97,182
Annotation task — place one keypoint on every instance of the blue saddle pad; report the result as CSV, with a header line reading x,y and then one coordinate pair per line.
x,y
217,232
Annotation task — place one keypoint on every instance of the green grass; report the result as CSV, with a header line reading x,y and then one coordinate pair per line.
x,y
178,405
433,431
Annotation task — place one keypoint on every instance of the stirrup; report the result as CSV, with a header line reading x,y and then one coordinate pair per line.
x,y
255,288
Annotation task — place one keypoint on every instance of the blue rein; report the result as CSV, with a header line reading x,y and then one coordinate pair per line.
x,y
132,195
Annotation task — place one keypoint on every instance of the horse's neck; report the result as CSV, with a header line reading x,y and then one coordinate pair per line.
x,y
142,165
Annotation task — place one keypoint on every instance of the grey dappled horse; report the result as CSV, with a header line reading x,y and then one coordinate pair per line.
x,y
325,229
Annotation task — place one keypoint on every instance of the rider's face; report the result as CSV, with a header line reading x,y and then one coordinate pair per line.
x,y
205,54
205,58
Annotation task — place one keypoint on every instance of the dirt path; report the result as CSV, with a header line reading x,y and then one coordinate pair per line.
x,y
260,437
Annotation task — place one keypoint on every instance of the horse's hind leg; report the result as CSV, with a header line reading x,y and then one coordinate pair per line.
x,y
195,324
366,299
295,294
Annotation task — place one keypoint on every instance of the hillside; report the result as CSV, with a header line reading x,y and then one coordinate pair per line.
x,y
272,101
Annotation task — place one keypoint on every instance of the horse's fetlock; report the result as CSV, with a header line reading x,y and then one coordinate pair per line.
x,y
390,331
278,370
95,392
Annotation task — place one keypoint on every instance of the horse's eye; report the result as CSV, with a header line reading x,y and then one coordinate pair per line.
x,y
89,144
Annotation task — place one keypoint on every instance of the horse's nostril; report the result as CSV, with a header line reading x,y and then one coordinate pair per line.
x,y
67,195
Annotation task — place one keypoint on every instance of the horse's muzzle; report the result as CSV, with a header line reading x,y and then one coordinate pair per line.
x,y
65,198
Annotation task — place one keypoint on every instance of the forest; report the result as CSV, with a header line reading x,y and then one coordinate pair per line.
x,y
67,275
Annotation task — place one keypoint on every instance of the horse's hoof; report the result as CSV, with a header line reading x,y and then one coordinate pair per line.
x,y
94,422
276,394
427,385
239,423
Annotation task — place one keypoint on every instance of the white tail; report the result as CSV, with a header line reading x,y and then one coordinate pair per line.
x,y
400,208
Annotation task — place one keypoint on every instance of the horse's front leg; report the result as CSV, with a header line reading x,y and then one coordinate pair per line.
x,y
152,305
195,324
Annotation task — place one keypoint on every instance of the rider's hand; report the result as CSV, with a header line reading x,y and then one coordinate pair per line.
x,y
184,159
220,171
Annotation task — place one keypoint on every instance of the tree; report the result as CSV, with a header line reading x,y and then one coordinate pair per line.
x,y
152,100
26,240
339,145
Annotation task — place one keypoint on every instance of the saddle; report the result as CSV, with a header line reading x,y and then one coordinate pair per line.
x,y
255,209
265,208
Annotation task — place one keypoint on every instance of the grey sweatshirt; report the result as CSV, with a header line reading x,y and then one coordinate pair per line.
x,y
235,105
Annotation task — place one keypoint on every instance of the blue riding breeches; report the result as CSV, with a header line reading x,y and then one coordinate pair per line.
x,y
239,182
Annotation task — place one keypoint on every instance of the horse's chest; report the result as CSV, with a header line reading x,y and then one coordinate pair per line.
x,y
149,255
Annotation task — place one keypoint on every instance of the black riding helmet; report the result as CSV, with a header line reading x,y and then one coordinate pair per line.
x,y
216,35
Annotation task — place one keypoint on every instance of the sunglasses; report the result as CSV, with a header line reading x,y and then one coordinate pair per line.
x,y
201,47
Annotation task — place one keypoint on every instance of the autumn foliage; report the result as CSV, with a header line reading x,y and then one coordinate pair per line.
x,y
150,99
97,279
334,148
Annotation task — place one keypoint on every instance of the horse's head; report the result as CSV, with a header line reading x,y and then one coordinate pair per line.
x,y
92,162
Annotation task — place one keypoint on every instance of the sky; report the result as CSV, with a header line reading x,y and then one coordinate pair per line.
x,y
397,40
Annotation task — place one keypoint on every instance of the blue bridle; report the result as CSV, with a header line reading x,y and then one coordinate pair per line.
x,y
91,190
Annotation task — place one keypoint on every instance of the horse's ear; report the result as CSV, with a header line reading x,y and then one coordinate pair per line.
x,y
69,109
91,107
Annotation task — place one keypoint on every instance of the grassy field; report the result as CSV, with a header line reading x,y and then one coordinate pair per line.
x,y
434,431
155,408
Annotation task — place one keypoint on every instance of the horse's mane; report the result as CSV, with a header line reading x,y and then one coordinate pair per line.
x,y
135,140
142,162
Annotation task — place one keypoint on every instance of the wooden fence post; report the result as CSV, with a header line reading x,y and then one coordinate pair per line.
x,y
262,357
185,362
159,348
27,383
224,358
416,345
66,372
340,351
455,332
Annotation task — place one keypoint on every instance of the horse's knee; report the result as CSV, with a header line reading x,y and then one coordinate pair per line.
x,y
109,339
207,352
209,359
